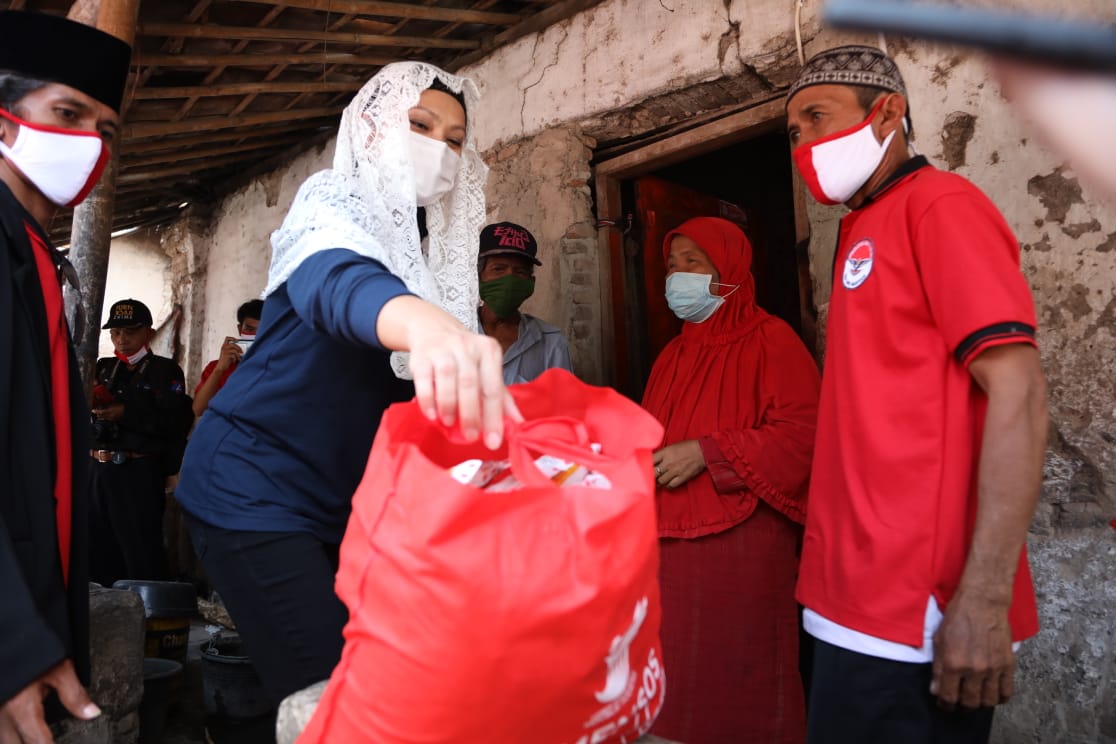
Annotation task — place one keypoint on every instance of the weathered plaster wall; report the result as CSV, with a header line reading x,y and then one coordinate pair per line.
x,y
610,67
541,183
221,258
240,243
138,268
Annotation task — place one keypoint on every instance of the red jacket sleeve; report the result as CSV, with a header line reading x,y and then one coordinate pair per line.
x,y
773,458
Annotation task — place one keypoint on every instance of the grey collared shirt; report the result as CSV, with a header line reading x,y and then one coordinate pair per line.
x,y
540,346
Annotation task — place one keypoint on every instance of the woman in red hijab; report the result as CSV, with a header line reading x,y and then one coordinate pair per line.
x,y
737,393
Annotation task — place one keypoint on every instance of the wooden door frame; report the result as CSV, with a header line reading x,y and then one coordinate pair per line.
x,y
763,118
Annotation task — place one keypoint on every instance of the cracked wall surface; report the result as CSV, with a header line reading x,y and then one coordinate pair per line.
x,y
622,54
542,183
140,269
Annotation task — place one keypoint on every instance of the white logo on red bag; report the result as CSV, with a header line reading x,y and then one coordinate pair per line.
x,y
858,264
619,664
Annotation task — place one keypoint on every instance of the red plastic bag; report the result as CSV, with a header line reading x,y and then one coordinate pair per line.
x,y
526,616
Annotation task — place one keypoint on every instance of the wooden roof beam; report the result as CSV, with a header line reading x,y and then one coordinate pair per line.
x,y
261,60
156,174
242,89
400,10
137,130
216,73
178,144
251,33
180,156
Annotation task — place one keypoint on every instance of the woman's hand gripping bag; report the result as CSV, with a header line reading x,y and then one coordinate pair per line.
x,y
527,616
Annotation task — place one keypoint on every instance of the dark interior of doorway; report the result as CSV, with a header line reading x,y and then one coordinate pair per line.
x,y
754,175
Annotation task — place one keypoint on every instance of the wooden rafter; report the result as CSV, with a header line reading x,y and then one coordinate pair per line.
x,y
182,170
211,152
338,24
252,33
209,123
220,87
400,10
262,60
216,73
180,144
240,89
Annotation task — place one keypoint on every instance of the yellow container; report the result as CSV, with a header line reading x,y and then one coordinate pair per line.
x,y
167,638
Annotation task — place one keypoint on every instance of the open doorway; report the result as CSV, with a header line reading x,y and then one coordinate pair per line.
x,y
743,175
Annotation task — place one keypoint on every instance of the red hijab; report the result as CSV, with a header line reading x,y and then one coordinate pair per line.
x,y
744,386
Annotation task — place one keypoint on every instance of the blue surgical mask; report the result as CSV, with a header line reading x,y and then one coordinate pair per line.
x,y
690,296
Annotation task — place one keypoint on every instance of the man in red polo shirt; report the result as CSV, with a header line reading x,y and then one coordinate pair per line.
x,y
61,85
931,428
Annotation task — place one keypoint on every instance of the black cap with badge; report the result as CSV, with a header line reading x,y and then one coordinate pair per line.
x,y
128,314
508,238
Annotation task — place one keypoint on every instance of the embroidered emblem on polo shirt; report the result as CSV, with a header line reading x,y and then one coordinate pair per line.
x,y
858,264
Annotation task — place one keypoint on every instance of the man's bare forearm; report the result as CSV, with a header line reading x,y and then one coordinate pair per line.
x,y
1010,471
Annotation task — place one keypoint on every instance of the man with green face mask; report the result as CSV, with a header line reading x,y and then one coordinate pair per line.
x,y
507,261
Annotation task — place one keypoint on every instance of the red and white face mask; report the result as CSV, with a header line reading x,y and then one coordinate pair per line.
x,y
64,164
835,167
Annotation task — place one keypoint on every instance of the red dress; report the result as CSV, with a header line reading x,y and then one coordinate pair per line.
x,y
743,385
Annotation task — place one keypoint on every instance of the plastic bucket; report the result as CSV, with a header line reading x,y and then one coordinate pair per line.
x,y
158,677
168,605
230,684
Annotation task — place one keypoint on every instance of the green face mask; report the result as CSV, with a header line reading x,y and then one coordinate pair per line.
x,y
504,295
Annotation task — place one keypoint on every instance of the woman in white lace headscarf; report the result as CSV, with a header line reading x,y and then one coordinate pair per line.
x,y
356,306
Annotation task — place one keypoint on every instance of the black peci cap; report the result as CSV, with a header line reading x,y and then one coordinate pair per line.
x,y
58,50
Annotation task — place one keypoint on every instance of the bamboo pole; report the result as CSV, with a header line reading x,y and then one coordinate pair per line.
x,y
91,233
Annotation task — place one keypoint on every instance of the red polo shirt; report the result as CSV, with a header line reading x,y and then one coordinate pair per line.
x,y
209,369
926,277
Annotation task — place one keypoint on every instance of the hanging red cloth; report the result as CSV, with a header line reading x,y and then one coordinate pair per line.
x,y
744,386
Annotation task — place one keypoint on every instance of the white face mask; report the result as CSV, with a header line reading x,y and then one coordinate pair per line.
x,y
435,167
835,167
63,164
134,359
689,296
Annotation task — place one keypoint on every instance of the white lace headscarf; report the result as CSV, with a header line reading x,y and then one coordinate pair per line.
x,y
366,202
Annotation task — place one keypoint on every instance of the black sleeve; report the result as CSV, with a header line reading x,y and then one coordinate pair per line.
x,y
157,411
27,645
28,648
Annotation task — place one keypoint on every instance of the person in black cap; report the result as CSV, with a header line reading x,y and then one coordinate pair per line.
x,y
913,572
141,415
61,85
506,262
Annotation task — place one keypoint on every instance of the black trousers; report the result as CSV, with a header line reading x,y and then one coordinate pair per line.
x,y
859,699
126,521
278,588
